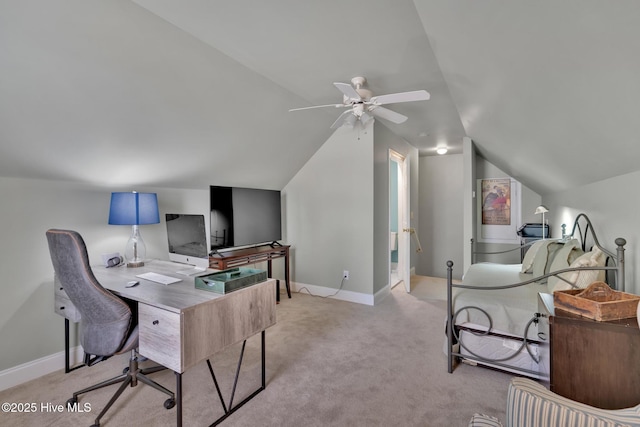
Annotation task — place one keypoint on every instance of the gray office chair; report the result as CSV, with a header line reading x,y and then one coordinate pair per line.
x,y
107,325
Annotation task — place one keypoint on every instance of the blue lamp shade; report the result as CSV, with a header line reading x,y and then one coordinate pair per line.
x,y
134,209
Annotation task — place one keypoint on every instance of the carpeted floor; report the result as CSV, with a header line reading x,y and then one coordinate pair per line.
x,y
329,363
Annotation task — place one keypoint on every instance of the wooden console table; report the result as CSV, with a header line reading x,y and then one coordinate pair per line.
x,y
595,362
241,257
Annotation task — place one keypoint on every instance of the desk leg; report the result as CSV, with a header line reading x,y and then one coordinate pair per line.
x,y
66,346
286,274
232,409
269,271
67,367
178,399
264,360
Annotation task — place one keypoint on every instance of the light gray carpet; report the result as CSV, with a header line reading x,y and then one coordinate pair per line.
x,y
329,363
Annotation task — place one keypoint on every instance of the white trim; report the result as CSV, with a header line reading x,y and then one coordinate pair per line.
x,y
322,291
17,375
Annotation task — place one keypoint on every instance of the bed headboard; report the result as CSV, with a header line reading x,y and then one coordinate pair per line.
x,y
584,232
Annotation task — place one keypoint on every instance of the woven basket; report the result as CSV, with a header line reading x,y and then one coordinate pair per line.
x,y
598,301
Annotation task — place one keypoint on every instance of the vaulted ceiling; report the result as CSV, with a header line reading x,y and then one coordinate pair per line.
x,y
196,92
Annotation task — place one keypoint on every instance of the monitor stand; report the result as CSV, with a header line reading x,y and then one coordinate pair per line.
x,y
191,271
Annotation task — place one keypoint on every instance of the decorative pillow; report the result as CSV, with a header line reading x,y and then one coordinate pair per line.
x,y
545,253
527,261
582,279
563,259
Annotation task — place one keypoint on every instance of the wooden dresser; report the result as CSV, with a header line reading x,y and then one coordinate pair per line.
x,y
597,363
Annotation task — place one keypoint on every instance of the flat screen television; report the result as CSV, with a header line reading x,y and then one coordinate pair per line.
x,y
244,217
187,239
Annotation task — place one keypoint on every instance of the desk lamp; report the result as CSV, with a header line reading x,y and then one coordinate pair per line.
x,y
134,209
542,210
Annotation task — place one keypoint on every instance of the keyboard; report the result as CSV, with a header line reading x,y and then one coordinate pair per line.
x,y
159,278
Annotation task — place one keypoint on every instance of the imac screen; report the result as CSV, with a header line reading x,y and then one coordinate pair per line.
x,y
187,239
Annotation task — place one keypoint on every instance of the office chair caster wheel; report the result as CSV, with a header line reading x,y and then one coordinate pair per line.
x,y
125,370
95,425
72,402
170,403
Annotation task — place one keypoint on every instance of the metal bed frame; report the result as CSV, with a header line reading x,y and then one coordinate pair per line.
x,y
584,232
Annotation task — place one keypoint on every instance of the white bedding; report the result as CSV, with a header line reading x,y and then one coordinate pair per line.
x,y
510,309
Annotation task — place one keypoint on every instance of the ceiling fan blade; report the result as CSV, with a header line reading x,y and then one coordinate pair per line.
x,y
343,118
416,95
348,91
319,106
350,121
364,118
385,113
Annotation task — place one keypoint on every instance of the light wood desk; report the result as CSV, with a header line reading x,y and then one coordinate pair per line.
x,y
180,326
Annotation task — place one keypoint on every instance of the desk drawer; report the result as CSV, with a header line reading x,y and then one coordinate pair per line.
x,y
159,332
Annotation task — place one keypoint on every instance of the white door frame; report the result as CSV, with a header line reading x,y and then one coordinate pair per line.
x,y
404,235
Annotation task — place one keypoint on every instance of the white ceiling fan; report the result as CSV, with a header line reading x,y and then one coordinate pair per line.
x,y
364,107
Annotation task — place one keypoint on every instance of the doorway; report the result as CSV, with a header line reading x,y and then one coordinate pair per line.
x,y
398,221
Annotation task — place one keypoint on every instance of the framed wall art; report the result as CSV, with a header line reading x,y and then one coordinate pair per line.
x,y
498,201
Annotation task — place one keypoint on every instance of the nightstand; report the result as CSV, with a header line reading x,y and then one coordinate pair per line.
x,y
597,363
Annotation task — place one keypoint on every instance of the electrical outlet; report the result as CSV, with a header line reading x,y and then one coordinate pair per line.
x,y
345,275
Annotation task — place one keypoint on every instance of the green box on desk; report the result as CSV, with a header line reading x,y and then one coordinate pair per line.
x,y
226,281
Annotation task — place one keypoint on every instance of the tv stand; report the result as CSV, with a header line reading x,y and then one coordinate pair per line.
x,y
246,256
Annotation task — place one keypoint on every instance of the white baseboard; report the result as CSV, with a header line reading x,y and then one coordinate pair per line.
x,y
36,368
322,291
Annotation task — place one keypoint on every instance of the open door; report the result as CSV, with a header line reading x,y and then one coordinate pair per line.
x,y
399,221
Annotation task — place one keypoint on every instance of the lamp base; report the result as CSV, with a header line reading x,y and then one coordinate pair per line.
x,y
135,250
135,264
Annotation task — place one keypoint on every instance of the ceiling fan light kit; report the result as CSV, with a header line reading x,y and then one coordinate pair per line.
x,y
363,106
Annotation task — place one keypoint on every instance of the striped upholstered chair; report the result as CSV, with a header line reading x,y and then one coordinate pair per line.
x,y
530,404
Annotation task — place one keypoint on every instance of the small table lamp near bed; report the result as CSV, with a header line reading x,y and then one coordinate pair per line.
x,y
542,210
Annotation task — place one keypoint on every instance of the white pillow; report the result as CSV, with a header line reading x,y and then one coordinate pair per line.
x,y
563,259
582,279
541,261
527,261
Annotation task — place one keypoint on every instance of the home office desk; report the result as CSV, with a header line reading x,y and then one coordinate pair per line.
x,y
180,326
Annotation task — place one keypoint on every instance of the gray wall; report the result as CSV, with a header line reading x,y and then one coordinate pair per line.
x,y
337,216
29,329
441,214
613,206
328,214
442,208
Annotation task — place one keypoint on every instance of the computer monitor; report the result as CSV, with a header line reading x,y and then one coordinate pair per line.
x,y
187,239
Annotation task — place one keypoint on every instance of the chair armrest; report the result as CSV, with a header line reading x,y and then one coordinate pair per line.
x,y
530,404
